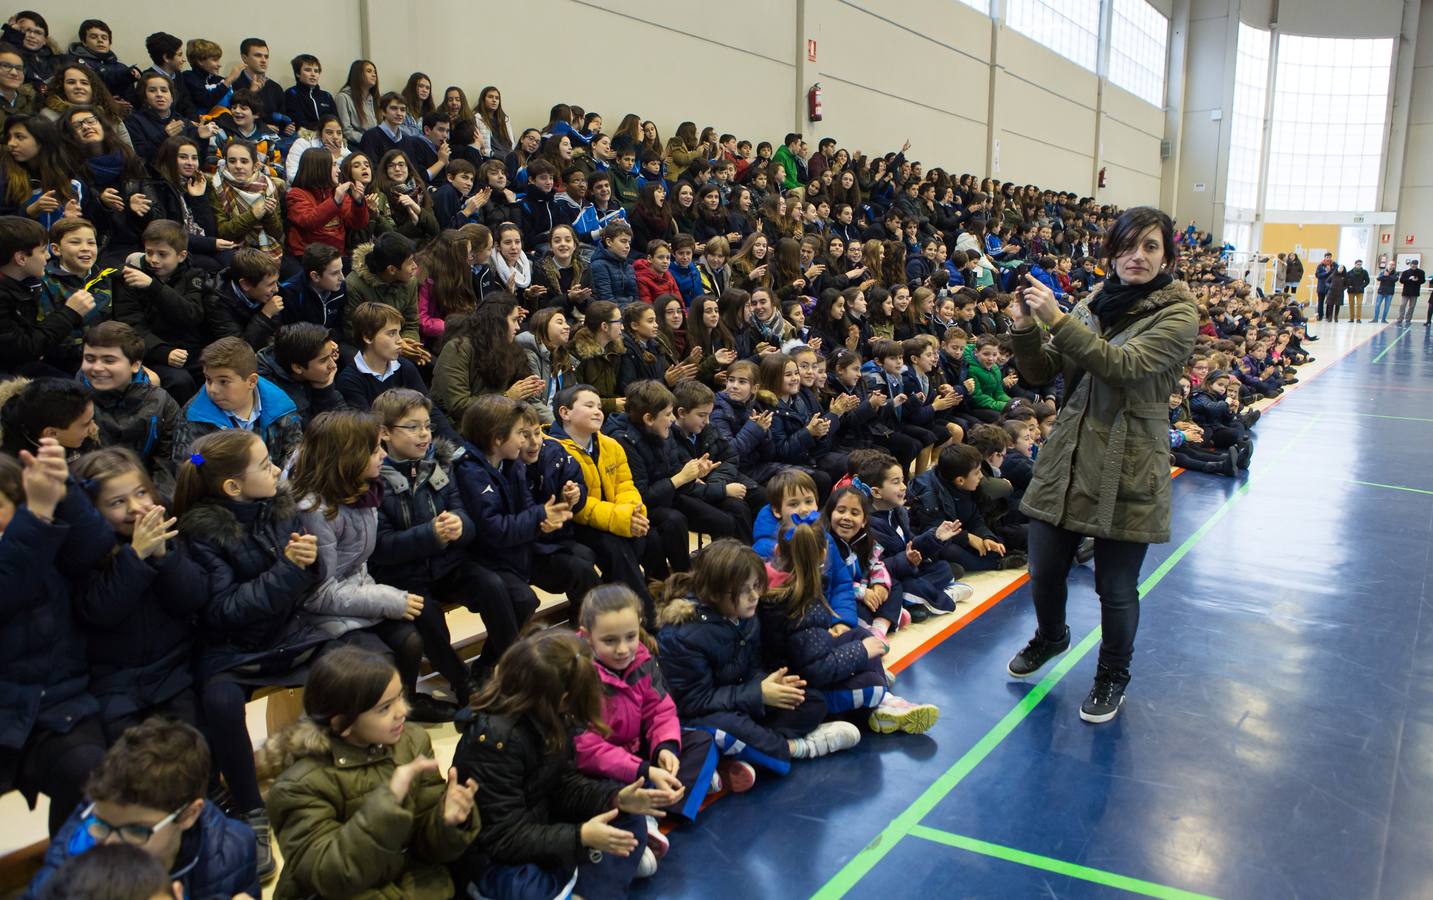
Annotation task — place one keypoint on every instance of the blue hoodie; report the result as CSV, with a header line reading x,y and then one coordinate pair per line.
x,y
279,424
840,592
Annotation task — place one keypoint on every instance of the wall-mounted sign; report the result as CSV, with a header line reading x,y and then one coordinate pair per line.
x,y
1199,187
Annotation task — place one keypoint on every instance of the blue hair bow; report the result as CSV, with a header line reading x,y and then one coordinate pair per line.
x,y
197,459
860,485
811,518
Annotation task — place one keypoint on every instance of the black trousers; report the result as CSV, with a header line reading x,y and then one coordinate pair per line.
x,y
55,765
1052,550
570,570
668,549
617,559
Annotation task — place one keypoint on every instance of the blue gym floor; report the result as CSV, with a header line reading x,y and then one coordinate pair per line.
x,y
1276,741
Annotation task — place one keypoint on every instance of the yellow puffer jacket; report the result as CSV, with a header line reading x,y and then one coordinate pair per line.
x,y
612,496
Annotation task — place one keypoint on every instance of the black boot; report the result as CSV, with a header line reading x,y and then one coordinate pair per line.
x,y
1246,452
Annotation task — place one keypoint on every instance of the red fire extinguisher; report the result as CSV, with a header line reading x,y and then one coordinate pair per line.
x,y
813,102
1102,178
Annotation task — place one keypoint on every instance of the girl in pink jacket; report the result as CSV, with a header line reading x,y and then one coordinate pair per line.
x,y
646,739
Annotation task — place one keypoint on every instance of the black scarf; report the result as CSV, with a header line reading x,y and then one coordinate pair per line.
x,y
1115,297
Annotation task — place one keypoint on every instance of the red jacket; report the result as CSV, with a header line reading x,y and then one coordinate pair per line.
x,y
640,712
314,220
650,285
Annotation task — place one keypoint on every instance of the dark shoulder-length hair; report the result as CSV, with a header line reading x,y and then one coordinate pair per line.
x,y
315,171
1124,235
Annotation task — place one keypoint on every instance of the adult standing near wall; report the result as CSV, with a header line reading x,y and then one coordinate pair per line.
x,y
1321,281
1358,279
1104,471
1281,273
1293,274
1412,279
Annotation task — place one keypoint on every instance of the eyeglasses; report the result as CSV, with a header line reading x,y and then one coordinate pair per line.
x,y
34,32
79,124
11,67
417,428
134,835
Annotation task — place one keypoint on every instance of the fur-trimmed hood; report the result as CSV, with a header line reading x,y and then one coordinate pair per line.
x,y
680,610
301,740
216,521
441,456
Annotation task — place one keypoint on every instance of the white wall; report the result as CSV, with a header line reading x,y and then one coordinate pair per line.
x,y
1415,198
889,69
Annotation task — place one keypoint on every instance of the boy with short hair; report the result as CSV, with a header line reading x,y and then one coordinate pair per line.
x,y
914,554
306,102
624,177
234,396
612,518
153,782
74,267
318,295
388,134
791,501
29,339
983,365
248,302
165,300
687,275
947,493
204,84
380,365
643,429
540,211
455,204
303,362
724,487
424,533
94,50
130,410
167,53
386,272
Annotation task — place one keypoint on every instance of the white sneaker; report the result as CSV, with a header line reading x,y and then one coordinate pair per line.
x,y
957,592
830,737
897,714
648,865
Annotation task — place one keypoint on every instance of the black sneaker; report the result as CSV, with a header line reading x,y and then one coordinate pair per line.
x,y
918,612
1036,655
1014,559
258,820
1106,697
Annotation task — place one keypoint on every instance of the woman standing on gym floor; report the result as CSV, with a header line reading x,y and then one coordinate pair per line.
x,y
1104,472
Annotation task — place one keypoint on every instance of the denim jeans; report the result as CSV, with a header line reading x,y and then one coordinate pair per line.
x,y
1052,550
1381,303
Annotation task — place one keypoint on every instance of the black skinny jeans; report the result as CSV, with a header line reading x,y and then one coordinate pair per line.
x,y
1052,550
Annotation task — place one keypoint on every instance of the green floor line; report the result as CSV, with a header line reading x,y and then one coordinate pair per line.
x,y
1391,487
1056,866
1401,335
871,854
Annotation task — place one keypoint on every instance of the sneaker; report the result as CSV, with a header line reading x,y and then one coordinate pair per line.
x,y
828,738
917,611
896,714
647,866
905,619
427,708
738,776
656,841
1085,551
1015,559
958,592
1036,655
258,820
1106,697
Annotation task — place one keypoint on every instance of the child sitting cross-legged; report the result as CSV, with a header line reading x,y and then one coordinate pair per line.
x,y
710,642
947,493
645,739
149,791
842,663
548,830
792,498
879,600
359,806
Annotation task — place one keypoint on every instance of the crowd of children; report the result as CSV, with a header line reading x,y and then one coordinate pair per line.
x,y
286,377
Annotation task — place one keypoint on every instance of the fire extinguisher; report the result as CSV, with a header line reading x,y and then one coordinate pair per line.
x,y
813,102
1102,178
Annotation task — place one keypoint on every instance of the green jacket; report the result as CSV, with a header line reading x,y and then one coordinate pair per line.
x,y
366,287
989,383
341,831
784,156
1105,469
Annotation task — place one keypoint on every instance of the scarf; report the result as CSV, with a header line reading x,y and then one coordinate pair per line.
x,y
523,270
410,188
1116,297
106,169
237,197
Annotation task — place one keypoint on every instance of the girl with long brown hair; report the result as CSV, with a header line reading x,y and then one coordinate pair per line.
x,y
544,822
357,100
447,288
493,123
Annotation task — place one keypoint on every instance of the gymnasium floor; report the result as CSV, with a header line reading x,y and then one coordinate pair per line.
x,y
1274,742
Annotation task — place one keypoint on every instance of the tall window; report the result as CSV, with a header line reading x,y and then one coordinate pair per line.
x,y
1069,27
1246,126
1330,106
982,5
1138,37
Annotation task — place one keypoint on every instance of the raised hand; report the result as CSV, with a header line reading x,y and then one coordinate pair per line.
x,y
404,776
458,799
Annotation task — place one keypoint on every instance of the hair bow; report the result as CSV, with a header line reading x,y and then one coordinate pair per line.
x,y
860,485
811,518
197,459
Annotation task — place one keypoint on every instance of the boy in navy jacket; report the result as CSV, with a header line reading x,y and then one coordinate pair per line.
x,y
947,493
306,102
913,558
